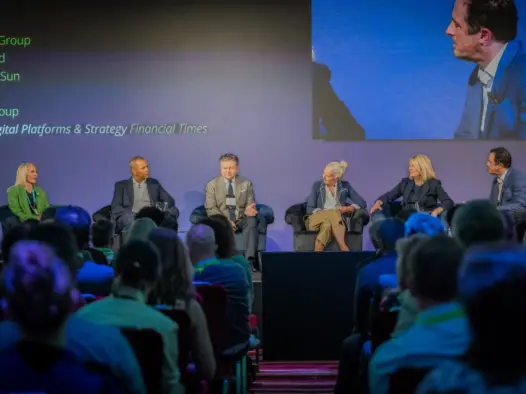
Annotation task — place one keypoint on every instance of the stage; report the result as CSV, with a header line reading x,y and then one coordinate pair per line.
x,y
305,298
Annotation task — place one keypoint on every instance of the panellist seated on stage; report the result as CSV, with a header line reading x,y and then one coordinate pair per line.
x,y
422,191
132,195
508,190
232,196
329,201
25,199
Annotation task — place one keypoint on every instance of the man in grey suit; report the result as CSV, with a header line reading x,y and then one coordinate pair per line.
x,y
232,196
138,192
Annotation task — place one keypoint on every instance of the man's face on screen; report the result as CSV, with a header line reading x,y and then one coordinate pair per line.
x,y
229,169
140,170
465,45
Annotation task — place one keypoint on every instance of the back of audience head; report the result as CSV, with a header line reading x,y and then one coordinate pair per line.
x,y
153,213
38,289
492,289
138,265
18,233
224,236
385,234
450,214
61,239
102,234
175,282
478,221
433,267
424,223
140,230
79,220
404,248
201,243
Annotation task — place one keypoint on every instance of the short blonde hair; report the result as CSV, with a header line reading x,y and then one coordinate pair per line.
x,y
423,165
337,168
21,173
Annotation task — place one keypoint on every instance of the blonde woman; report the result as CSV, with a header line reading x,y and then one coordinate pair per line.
x,y
329,199
421,190
25,199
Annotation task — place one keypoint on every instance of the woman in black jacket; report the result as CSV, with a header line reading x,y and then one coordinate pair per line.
x,y
421,191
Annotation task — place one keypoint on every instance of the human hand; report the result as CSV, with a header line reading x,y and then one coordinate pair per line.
x,y
377,206
347,209
251,210
437,211
234,227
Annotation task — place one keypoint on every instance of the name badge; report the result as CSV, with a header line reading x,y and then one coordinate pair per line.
x,y
231,202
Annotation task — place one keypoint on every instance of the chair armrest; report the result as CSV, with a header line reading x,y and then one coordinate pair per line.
x,y
294,217
356,221
198,214
267,212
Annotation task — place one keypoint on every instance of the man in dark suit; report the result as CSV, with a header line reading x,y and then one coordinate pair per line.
x,y
484,32
332,120
508,190
137,192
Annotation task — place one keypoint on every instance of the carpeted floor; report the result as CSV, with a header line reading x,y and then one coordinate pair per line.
x,y
296,377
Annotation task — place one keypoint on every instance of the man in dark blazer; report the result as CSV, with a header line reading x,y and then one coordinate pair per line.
x,y
332,120
484,32
508,190
137,192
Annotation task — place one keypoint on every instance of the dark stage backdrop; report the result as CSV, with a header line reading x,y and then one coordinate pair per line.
x,y
244,74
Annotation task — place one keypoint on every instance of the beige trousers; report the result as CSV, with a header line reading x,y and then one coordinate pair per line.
x,y
327,223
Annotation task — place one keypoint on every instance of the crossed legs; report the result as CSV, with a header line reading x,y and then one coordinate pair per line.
x,y
328,224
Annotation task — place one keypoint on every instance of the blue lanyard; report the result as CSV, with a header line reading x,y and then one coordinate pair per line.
x,y
34,195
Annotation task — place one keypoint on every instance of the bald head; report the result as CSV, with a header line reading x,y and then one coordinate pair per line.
x,y
201,243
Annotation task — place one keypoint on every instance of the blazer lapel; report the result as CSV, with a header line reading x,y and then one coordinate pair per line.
x,y
151,191
341,191
238,191
408,189
129,189
323,194
494,190
424,191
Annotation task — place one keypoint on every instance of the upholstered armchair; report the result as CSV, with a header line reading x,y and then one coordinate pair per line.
x,y
304,240
199,214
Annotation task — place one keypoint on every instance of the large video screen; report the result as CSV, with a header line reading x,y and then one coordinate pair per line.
x,y
418,70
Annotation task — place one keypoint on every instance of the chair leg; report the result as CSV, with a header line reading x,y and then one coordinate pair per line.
x,y
258,358
244,375
239,378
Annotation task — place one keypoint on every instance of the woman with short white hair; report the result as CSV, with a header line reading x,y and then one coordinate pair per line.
x,y
329,199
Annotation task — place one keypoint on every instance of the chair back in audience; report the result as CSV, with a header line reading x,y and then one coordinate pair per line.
x,y
406,380
183,337
382,322
38,368
148,345
214,304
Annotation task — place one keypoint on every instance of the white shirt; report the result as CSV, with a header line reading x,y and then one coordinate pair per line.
x,y
486,77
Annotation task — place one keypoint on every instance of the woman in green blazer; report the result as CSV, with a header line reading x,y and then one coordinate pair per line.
x,y
25,199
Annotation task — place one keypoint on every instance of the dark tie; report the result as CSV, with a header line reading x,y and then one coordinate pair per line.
x,y
231,208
